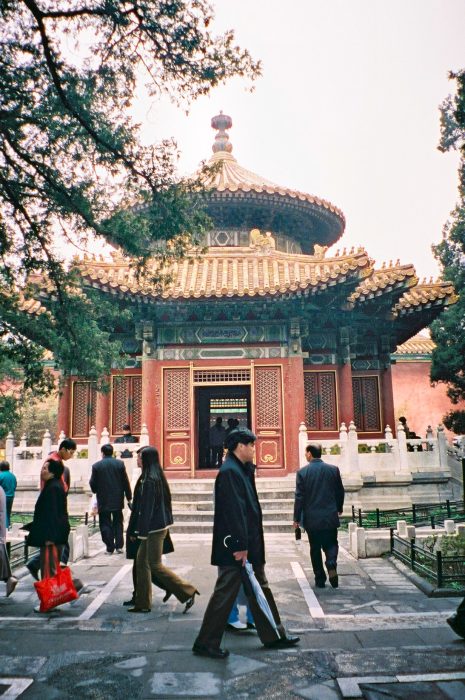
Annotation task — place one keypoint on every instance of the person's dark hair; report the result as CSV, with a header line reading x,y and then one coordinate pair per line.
x,y
107,450
67,444
402,420
4,466
152,469
315,449
126,426
219,420
243,436
56,468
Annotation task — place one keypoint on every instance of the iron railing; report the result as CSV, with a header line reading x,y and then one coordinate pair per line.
x,y
432,514
441,569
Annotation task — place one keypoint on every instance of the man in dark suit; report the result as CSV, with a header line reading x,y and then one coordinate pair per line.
x,y
319,499
237,538
109,481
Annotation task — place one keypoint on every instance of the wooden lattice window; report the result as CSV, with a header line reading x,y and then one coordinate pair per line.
x,y
268,397
84,408
366,404
126,403
320,400
177,399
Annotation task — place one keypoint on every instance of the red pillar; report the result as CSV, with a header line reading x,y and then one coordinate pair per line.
x,y
345,394
151,398
102,412
387,400
294,410
64,408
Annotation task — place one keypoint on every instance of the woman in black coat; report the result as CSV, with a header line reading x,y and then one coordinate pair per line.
x,y
150,519
50,526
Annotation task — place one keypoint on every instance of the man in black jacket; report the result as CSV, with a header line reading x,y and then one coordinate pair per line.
x,y
237,538
109,481
319,499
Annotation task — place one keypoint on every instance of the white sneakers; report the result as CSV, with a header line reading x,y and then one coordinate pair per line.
x,y
238,625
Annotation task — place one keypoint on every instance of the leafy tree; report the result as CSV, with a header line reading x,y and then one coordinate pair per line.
x,y
72,166
448,331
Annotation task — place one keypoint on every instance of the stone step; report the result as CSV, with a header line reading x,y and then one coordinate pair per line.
x,y
199,527
207,516
199,506
268,494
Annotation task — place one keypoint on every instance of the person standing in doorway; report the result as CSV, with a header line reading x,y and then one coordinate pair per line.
x,y
217,437
127,436
8,483
109,481
319,499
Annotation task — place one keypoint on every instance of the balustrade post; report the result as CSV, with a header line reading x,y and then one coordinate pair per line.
x,y
23,441
104,437
345,457
62,436
10,449
402,445
352,444
92,446
442,449
46,444
303,441
144,436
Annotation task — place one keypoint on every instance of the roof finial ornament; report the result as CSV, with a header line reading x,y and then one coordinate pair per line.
x,y
221,122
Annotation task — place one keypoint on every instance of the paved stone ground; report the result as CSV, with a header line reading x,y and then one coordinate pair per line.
x,y
376,636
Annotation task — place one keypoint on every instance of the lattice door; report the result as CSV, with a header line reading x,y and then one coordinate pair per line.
x,y
84,408
366,404
176,418
126,403
320,401
268,417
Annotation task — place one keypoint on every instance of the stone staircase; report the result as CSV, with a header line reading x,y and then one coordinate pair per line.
x,y
193,504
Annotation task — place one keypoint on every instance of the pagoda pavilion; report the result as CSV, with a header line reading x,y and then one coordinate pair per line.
x,y
265,328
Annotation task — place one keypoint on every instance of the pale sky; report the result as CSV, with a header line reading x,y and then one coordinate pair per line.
x,y
346,109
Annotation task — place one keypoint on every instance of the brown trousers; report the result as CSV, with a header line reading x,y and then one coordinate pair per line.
x,y
148,564
226,589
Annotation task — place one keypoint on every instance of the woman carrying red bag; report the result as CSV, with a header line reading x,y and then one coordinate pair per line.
x,y
50,527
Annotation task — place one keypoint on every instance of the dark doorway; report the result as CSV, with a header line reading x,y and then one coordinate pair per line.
x,y
211,402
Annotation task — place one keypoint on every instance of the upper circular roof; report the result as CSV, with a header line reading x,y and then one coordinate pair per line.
x,y
239,198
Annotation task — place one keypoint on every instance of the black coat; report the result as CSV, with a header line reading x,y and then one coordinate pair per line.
x,y
238,515
319,496
149,510
50,523
110,482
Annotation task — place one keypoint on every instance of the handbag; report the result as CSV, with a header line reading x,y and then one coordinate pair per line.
x,y
133,545
168,545
58,589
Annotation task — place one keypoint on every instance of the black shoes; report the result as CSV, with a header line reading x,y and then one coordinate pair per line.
x,y
319,584
283,642
139,610
333,577
457,625
130,602
190,602
212,652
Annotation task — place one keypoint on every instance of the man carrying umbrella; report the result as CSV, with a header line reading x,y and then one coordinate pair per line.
x,y
237,539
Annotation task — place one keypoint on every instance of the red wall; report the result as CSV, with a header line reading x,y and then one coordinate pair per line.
x,y
415,398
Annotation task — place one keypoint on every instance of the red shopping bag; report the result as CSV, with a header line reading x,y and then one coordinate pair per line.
x,y
58,589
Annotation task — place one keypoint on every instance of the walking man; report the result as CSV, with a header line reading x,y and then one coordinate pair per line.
x,y
319,499
109,481
238,537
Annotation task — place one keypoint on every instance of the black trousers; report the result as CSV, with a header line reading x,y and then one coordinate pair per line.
x,y
216,458
325,540
461,612
222,600
111,529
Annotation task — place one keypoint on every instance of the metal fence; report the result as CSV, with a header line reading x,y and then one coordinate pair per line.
x,y
441,569
432,514
20,552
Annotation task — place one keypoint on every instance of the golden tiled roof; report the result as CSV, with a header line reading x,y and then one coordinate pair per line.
x,y
425,295
229,272
227,175
383,281
418,345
